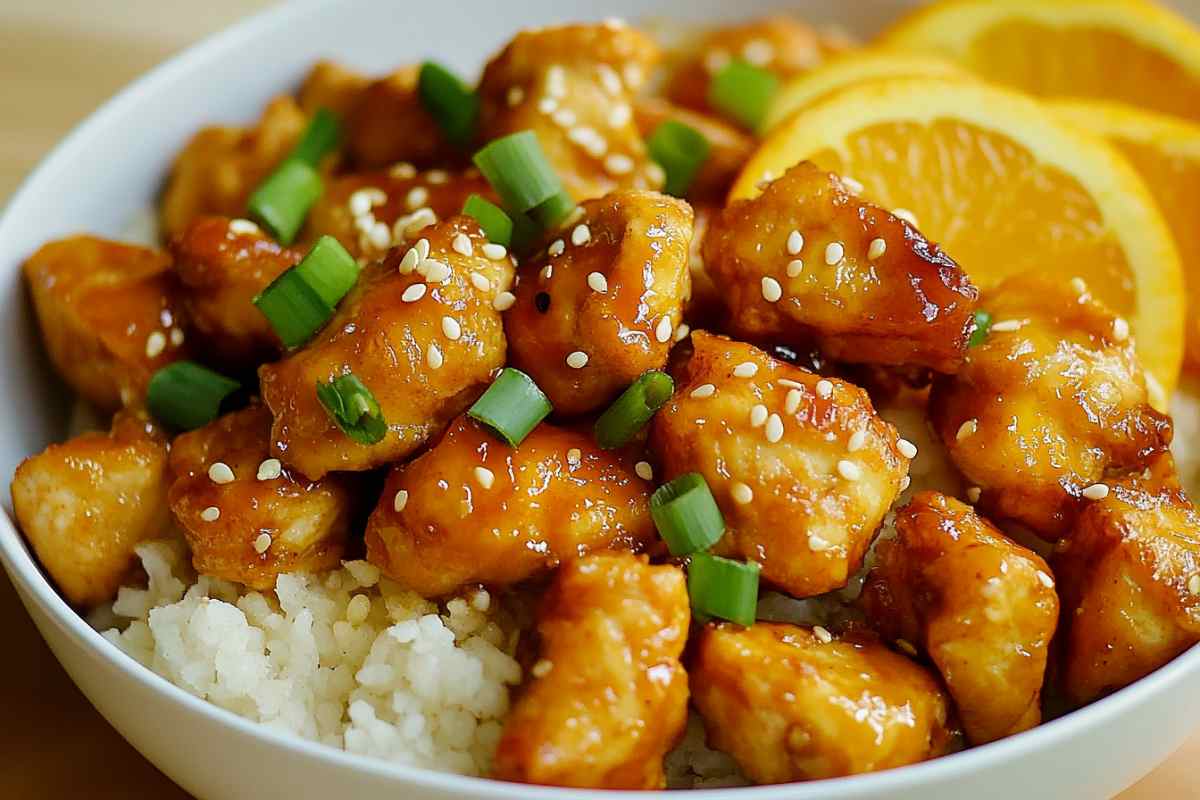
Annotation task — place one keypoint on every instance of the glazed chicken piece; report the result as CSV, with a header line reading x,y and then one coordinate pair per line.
x,y
85,504
389,124
608,698
573,86
331,86
247,518
109,316
1129,573
729,148
981,606
781,45
424,340
221,166
807,259
801,466
553,498
1052,398
794,704
373,211
599,307
222,264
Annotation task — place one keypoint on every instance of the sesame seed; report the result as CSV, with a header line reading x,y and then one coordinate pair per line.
x,y
434,271
210,514
746,369
818,543
795,243
644,470
504,301
437,176
451,328
564,117
849,470
655,173
417,197
905,482
758,52
853,185
906,215
547,105
1078,285
410,261
494,252
219,472
609,79
156,342
774,428
758,415
462,244
973,494
481,283
515,96
1120,329
574,456
380,236
434,357
907,647
824,389
823,635
269,469
262,543
703,390
363,200
597,282
484,477
618,164
577,359
1097,491
400,500
741,493
620,115
681,332
633,75
556,247
834,253
243,226
176,336
857,440
791,403
1193,584
878,248
556,81
547,272
414,293
771,290
542,668
795,267
1007,325
403,170
716,60
1045,579
906,448
967,429
664,330
791,384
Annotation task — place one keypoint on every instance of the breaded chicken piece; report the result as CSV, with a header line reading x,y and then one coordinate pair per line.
x,y
109,315
424,340
247,518
573,86
1129,574
608,698
1052,398
801,466
388,123
794,704
980,605
782,45
85,504
729,148
221,166
370,212
331,86
472,509
222,265
600,306
807,259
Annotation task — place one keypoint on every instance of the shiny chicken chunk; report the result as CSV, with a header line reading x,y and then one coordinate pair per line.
x,y
608,697
1052,398
801,466
729,148
809,260
981,606
109,316
331,86
793,704
388,123
246,518
474,510
573,86
85,504
1129,573
421,333
599,307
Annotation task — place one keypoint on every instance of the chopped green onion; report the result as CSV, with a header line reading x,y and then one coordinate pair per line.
x,y
186,395
723,589
517,169
686,515
743,92
512,406
983,324
680,150
299,302
497,226
552,212
320,138
449,102
352,406
282,201
630,412
525,234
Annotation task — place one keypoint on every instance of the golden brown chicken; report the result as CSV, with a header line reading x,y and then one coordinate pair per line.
x,y
420,330
1052,398
729,148
331,86
1129,574
801,466
220,167
389,124
85,504
246,517
981,606
573,87
109,316
794,704
222,264
608,697
807,259
600,306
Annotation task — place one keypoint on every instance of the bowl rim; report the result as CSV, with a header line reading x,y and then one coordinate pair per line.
x,y
34,586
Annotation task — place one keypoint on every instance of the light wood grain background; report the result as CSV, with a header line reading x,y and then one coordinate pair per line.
x,y
58,61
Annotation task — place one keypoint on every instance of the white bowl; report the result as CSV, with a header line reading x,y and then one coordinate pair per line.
x,y
111,168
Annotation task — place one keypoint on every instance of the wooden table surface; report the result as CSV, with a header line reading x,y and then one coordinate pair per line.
x,y
58,61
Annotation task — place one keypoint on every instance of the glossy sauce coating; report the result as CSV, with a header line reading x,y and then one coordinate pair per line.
x,y
981,606
331,86
609,697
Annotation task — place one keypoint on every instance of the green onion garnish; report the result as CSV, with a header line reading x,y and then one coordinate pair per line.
x,y
282,201
983,324
517,169
680,150
686,515
512,406
723,589
449,102
630,412
186,395
299,302
743,93
320,138
352,406
552,212
497,226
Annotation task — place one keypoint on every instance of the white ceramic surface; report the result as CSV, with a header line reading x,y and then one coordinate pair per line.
x,y
113,165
